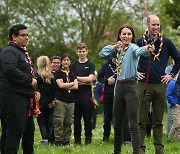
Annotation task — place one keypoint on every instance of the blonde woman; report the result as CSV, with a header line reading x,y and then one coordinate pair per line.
x,y
45,85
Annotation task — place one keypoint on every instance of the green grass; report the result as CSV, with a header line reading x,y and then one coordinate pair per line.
x,y
97,147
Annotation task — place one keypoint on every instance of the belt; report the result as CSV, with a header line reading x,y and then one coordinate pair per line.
x,y
127,80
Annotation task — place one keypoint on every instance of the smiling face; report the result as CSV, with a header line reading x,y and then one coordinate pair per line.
x,y
66,62
154,25
22,38
55,64
126,36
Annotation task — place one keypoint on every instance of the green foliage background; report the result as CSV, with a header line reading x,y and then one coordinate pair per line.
x,y
56,26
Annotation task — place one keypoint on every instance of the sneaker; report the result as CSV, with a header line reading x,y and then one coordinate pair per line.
x,y
44,142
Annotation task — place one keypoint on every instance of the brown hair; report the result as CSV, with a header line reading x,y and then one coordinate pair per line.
x,y
55,57
81,46
132,30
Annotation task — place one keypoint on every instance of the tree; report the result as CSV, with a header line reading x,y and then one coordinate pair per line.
x,y
56,26
94,17
170,11
7,16
46,23
97,18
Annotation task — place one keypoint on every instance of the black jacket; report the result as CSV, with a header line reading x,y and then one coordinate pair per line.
x,y
108,69
15,75
47,91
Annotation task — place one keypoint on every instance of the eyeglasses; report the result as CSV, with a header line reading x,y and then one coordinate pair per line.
x,y
24,35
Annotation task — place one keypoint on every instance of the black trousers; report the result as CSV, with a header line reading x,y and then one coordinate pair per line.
x,y
14,113
126,100
94,117
28,137
108,115
149,124
83,108
51,137
45,122
126,130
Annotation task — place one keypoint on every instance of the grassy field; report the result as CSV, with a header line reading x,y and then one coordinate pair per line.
x,y
97,147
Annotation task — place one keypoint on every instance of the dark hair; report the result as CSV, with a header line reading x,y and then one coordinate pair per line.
x,y
55,57
132,30
14,30
81,46
64,56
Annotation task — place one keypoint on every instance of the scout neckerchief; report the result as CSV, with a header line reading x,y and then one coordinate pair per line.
x,y
36,110
32,100
29,60
67,76
93,99
119,63
114,71
144,42
156,56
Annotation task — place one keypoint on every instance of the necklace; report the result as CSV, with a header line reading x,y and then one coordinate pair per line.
x,y
156,56
118,64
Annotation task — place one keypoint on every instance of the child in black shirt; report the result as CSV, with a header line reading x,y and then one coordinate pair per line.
x,y
66,83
